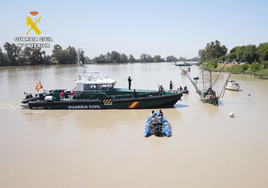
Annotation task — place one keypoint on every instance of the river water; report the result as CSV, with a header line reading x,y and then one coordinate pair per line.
x,y
105,148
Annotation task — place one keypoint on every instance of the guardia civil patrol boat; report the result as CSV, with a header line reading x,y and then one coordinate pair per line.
x,y
92,91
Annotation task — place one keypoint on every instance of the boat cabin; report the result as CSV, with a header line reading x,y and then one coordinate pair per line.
x,y
233,85
94,82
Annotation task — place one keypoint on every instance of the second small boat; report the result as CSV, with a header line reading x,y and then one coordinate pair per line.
x,y
207,95
232,85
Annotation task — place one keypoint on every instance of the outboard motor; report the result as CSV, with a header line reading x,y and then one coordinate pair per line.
x,y
157,128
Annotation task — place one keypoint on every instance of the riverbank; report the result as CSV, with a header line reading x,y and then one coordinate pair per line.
x,y
258,70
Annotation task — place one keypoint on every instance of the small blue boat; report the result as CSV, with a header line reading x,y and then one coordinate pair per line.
x,y
157,125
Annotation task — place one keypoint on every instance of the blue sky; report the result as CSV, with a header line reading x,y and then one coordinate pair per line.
x,y
159,27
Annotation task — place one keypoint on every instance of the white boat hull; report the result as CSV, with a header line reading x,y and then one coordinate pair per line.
x,y
233,88
232,85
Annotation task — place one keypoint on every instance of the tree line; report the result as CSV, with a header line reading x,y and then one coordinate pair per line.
x,y
248,54
254,59
16,56
115,57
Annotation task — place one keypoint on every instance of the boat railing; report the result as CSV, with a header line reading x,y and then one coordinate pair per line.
x,y
131,95
99,95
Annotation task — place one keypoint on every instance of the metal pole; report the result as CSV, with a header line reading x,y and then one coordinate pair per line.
x,y
203,80
210,79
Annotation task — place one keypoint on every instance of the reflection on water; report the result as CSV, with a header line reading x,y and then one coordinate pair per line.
x,y
105,148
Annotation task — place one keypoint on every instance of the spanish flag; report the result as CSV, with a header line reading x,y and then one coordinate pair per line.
x,y
39,86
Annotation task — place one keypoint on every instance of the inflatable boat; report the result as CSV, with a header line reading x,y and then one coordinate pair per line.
x,y
156,124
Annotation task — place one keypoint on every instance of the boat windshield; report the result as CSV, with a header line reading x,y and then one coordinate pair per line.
x,y
90,87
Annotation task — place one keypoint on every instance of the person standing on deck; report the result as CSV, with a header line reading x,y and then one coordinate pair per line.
x,y
160,90
170,86
135,93
129,82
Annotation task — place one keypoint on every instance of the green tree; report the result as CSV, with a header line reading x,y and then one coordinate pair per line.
x,y
182,59
144,58
37,58
131,58
223,58
72,55
115,57
250,54
213,50
34,56
67,56
234,49
108,57
57,52
245,67
82,58
4,61
150,58
239,53
235,54
255,67
263,51
12,53
171,59
123,58
157,58
202,54
230,56
100,59
264,64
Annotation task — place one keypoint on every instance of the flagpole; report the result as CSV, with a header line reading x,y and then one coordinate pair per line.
x,y
39,86
36,87
42,87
